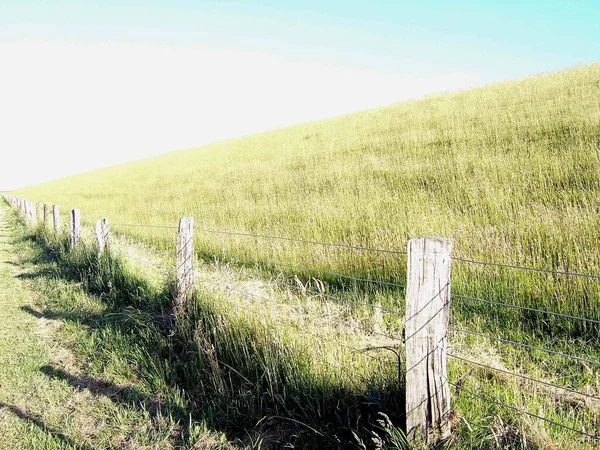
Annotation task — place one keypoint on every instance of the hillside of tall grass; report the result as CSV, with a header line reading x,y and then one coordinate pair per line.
x,y
509,171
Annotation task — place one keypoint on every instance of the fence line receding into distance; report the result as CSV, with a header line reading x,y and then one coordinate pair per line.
x,y
426,316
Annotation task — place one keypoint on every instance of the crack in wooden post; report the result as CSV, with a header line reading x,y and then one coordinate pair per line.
x,y
427,317
184,260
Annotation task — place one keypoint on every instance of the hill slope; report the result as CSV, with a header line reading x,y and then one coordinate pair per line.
x,y
510,171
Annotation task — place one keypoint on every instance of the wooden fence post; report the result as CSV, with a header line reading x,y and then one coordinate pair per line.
x,y
39,211
426,326
32,214
103,235
56,218
46,215
75,227
184,260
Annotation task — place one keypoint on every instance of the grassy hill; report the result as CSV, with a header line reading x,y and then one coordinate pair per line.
x,y
510,171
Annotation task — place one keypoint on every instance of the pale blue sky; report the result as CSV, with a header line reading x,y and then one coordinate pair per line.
x,y
111,81
496,39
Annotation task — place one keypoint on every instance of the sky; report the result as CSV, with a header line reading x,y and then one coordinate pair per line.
x,y
88,84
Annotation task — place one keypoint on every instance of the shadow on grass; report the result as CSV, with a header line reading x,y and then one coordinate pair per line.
x,y
60,437
236,377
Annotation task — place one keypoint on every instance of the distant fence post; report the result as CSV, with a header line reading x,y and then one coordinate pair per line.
x,y
32,215
46,214
103,235
426,326
56,218
184,262
75,227
39,211
26,211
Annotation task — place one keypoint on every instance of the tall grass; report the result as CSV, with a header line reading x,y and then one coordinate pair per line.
x,y
510,171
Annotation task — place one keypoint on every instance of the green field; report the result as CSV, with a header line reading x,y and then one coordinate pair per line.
x,y
510,171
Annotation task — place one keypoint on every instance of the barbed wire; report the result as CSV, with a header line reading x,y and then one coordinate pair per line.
x,y
317,293
318,336
526,308
531,269
521,344
128,225
332,273
522,411
518,375
304,241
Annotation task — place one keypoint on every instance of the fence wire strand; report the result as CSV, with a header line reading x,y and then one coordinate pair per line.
x,y
518,375
530,269
525,308
304,241
522,411
521,344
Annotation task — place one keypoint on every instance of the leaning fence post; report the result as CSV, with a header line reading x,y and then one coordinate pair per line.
x,y
103,235
184,262
75,227
56,218
426,326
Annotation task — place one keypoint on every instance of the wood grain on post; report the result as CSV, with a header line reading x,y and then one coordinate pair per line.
x,y
46,214
39,211
184,260
426,326
75,227
103,235
56,218
32,214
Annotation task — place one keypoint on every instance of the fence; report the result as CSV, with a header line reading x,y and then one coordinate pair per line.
x,y
426,317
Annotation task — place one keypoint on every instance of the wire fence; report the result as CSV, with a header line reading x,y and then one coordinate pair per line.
x,y
330,288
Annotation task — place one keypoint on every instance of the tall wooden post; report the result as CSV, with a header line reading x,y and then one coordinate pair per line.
x,y
39,211
184,260
46,215
75,227
56,218
32,214
103,235
426,326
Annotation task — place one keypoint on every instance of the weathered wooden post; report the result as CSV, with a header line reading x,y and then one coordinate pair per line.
x,y
39,211
75,227
103,235
184,262
56,218
46,215
426,326
32,214
25,211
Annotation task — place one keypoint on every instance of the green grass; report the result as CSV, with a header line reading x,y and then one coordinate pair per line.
x,y
509,171
66,366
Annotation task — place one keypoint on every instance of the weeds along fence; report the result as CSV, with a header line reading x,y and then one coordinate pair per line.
x,y
420,337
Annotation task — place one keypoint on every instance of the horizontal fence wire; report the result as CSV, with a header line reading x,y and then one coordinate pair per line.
x,y
521,344
525,308
522,411
531,269
317,293
524,377
331,273
262,297
129,225
267,299
304,241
